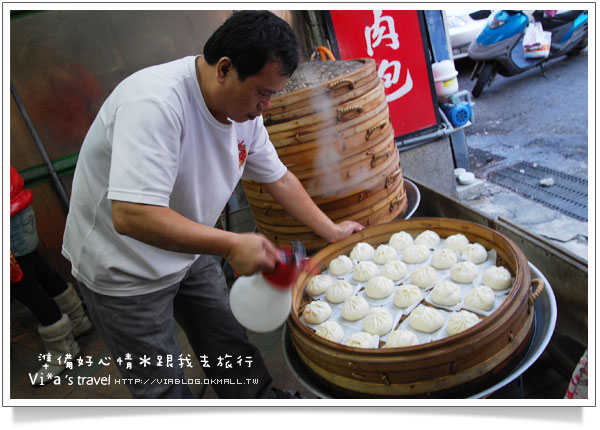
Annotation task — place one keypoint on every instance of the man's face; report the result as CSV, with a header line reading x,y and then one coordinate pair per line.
x,y
248,98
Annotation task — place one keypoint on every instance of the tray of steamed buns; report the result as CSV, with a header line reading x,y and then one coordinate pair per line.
x,y
411,289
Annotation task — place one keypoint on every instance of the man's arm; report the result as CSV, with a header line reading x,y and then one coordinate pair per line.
x,y
164,228
291,195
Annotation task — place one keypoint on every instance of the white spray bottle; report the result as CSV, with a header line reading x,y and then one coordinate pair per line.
x,y
262,302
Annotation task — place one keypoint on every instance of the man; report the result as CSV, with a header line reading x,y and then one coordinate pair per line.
x,y
155,170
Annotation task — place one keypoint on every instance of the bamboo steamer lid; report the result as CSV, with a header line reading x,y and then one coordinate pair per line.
x,y
313,79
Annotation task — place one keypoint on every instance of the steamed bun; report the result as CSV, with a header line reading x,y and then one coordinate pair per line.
x,y
424,276
360,339
339,291
399,338
316,312
481,297
426,319
319,284
379,287
475,252
464,272
401,240
331,330
378,321
355,308
340,265
456,242
384,253
443,258
394,270
460,321
498,278
428,238
415,254
407,295
364,271
362,251
446,293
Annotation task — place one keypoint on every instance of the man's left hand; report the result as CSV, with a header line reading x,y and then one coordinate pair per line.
x,y
344,229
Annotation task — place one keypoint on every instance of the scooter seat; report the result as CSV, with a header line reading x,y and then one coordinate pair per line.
x,y
559,19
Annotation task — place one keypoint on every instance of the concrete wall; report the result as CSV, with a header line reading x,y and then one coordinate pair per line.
x,y
431,164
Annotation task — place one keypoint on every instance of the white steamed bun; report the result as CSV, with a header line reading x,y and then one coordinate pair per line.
x,y
415,254
339,291
428,238
407,295
340,265
424,276
481,297
394,270
316,312
460,321
364,271
497,278
378,321
360,339
355,308
443,258
319,284
401,240
399,338
331,330
426,319
446,293
384,253
456,242
362,251
464,272
379,287
475,252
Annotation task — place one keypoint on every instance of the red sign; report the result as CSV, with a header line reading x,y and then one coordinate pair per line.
x,y
393,39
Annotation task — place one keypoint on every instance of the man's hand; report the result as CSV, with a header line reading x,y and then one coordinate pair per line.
x,y
291,195
343,230
251,253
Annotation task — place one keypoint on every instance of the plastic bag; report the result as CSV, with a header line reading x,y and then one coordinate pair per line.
x,y
536,42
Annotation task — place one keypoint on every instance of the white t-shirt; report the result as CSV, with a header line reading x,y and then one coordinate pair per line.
x,y
155,142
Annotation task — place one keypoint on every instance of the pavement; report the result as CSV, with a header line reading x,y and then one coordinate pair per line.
x,y
496,201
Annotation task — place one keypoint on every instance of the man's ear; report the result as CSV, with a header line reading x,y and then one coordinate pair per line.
x,y
223,69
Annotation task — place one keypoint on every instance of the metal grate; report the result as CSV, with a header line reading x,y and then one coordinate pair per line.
x,y
568,195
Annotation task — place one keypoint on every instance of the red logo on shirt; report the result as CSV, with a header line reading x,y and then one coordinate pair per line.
x,y
243,152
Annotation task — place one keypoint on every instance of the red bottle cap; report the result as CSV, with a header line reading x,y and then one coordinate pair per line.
x,y
286,270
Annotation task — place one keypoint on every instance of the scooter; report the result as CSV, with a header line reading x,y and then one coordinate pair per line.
x,y
499,46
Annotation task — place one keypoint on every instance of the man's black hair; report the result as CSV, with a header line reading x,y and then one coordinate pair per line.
x,y
252,38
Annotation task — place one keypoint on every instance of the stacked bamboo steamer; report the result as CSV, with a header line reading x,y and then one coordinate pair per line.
x,y
331,128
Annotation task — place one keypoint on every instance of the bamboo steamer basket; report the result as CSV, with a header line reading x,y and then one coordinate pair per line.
x,y
331,128
390,177
310,162
344,122
357,203
330,115
309,107
452,367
